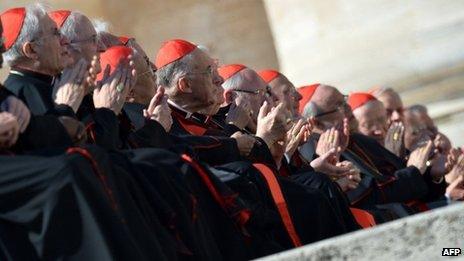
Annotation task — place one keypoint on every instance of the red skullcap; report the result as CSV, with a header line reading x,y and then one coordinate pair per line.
x,y
124,39
12,22
306,93
230,70
111,57
268,75
172,51
59,17
356,100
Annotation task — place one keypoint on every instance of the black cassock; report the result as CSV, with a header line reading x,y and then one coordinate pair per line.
x,y
73,206
386,181
312,214
35,90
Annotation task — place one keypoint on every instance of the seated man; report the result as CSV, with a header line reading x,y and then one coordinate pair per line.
x,y
36,53
325,106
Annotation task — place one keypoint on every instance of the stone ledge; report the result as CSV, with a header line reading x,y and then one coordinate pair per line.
x,y
419,237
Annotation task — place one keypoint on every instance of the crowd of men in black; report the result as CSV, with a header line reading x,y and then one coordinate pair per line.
x,y
107,154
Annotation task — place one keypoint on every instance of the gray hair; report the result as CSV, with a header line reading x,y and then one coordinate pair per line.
x,y
310,110
418,108
168,75
31,29
233,82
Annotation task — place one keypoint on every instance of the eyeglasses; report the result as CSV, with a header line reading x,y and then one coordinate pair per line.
x,y
256,92
341,107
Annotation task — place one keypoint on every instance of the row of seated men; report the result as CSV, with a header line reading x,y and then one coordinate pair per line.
x,y
106,155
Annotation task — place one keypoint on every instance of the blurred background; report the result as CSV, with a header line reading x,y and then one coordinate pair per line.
x,y
415,46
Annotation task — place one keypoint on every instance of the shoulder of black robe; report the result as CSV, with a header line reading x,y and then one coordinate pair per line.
x,y
43,131
222,209
201,125
391,164
35,90
375,187
80,208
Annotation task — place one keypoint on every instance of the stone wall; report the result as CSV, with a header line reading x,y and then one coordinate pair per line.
x,y
419,237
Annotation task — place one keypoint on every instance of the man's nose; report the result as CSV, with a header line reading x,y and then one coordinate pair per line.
x,y
396,116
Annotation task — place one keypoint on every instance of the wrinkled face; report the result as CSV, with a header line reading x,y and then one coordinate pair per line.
x,y
2,46
49,47
331,105
393,105
372,120
205,83
286,93
87,44
145,87
252,90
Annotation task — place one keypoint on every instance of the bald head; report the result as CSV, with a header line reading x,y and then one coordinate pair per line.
x,y
327,106
393,104
286,93
372,120
246,87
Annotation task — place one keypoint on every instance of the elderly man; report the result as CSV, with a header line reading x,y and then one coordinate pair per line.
x,y
185,70
392,102
21,126
384,179
35,52
283,88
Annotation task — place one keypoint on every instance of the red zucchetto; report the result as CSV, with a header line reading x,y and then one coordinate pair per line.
x,y
227,71
112,56
306,93
358,99
59,17
12,23
172,51
268,75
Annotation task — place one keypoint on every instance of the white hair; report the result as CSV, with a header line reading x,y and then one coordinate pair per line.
x,y
30,30
233,82
168,75
100,25
310,110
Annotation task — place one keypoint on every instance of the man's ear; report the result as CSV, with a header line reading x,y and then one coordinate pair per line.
x,y
183,85
29,52
229,96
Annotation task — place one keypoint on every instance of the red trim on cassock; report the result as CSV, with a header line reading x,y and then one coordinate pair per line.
x,y
190,126
279,201
101,176
224,202
364,218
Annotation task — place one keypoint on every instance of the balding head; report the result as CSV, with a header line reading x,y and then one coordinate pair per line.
x,y
192,82
246,86
327,106
422,117
286,93
372,120
392,102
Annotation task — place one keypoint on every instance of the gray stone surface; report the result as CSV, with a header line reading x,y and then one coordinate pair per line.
x,y
420,237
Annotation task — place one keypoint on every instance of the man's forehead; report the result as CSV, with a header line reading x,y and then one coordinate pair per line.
x,y
281,82
251,80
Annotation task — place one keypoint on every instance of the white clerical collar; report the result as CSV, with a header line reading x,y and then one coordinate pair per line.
x,y
187,113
